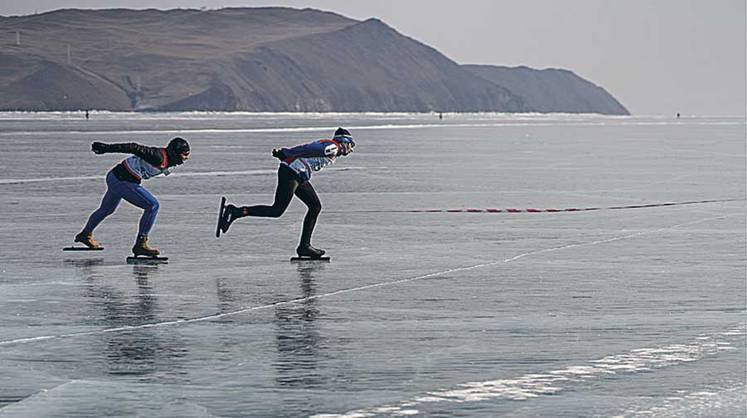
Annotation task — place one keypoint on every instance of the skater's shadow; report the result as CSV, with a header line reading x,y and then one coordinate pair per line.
x,y
299,343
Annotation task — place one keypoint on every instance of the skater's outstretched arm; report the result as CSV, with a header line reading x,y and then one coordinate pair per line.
x,y
153,155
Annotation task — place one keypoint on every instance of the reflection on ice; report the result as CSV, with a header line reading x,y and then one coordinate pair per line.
x,y
299,343
138,351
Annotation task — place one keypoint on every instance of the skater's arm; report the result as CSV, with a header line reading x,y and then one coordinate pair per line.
x,y
152,155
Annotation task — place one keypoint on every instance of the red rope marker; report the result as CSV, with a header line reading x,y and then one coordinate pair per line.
x,y
548,210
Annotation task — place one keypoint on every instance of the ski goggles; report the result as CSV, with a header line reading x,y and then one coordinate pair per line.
x,y
345,140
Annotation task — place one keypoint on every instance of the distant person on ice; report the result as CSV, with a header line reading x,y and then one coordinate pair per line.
x,y
123,182
294,173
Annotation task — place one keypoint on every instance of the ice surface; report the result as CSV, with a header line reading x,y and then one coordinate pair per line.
x,y
637,312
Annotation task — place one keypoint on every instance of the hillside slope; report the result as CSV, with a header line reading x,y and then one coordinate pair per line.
x,y
552,90
253,59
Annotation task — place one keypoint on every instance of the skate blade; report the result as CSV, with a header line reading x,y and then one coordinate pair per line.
x,y
82,249
306,258
144,259
220,215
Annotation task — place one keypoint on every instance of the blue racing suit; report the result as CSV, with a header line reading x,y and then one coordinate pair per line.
x,y
307,158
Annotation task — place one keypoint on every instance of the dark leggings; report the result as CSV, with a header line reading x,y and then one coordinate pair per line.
x,y
288,185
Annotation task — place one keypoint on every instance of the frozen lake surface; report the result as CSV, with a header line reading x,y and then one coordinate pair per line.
x,y
609,312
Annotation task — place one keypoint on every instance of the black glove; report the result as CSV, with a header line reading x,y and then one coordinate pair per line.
x,y
279,154
99,147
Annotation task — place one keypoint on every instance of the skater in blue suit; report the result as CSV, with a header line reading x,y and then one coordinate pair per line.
x,y
294,173
123,182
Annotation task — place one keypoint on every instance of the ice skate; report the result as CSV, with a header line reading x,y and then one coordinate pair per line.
x,y
309,253
144,253
221,210
85,238
228,215
141,248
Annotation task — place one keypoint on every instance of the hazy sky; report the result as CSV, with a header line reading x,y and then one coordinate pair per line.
x,y
655,56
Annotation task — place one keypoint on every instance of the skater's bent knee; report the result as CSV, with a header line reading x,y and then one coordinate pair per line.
x,y
153,206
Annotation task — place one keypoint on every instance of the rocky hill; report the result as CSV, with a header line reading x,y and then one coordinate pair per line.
x,y
552,90
254,59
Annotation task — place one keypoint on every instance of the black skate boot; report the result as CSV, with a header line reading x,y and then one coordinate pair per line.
x,y
142,248
230,214
86,238
306,250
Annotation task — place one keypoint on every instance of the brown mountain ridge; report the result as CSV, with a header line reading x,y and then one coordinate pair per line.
x,y
250,59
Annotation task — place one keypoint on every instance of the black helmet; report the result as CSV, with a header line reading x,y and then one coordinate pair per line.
x,y
176,148
342,132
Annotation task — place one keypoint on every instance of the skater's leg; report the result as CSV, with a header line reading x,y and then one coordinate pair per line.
x,y
142,198
308,195
287,184
109,203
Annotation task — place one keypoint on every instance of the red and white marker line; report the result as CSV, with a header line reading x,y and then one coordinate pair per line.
x,y
547,210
